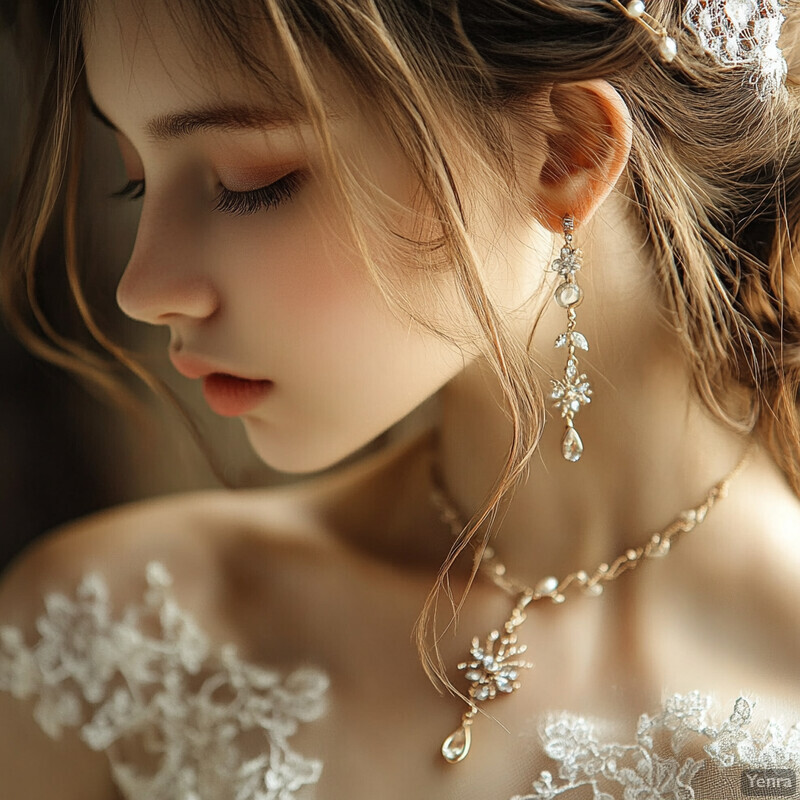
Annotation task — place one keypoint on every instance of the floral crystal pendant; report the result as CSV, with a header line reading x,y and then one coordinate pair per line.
x,y
574,390
493,671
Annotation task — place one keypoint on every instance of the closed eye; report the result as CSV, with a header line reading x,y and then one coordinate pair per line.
x,y
238,203
277,193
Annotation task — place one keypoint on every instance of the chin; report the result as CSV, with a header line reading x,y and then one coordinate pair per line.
x,y
303,455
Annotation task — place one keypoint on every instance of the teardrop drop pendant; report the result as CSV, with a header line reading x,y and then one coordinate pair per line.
x,y
457,744
492,672
574,390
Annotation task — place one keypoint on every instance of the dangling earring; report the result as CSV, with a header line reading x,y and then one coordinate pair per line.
x,y
574,391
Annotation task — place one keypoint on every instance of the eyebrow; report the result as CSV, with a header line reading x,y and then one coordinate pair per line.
x,y
176,125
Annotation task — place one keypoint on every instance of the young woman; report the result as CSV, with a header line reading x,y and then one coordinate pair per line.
x,y
569,221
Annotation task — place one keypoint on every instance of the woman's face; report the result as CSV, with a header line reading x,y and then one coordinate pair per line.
x,y
259,283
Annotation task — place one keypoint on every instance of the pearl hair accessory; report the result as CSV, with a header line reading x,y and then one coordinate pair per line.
x,y
494,667
736,33
635,9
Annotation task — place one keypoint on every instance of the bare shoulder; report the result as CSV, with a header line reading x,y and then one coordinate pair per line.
x,y
205,540
197,536
33,762
251,568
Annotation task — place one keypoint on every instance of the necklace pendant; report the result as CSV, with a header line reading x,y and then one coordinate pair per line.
x,y
456,745
494,668
492,672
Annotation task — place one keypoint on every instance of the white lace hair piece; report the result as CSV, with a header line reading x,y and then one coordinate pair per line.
x,y
742,33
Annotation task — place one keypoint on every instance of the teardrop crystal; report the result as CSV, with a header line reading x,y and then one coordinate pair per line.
x,y
456,745
571,445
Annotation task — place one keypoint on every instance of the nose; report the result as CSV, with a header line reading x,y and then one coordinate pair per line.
x,y
166,278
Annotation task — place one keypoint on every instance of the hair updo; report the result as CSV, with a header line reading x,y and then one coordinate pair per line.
x,y
714,176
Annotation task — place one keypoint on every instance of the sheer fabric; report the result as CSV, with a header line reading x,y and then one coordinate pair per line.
x,y
684,750
180,720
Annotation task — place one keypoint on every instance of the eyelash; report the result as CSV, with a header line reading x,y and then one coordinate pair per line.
x,y
237,203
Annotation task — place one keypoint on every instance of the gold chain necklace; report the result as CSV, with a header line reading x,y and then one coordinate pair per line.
x,y
494,666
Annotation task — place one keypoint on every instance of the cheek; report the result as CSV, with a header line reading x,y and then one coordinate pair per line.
x,y
300,301
299,281
302,307
305,308
345,366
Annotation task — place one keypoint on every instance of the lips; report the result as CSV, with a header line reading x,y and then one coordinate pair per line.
x,y
227,394
230,396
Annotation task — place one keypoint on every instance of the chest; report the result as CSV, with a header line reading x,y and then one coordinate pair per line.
x,y
596,670
599,665
335,704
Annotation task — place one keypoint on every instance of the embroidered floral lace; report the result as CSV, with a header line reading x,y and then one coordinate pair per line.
x,y
182,721
188,712
680,752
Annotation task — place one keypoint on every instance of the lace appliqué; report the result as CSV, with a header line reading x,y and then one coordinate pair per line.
x,y
200,724
743,33
657,766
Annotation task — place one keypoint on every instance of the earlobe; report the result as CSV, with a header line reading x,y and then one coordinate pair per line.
x,y
586,151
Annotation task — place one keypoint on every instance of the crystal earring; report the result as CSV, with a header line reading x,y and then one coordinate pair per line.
x,y
574,390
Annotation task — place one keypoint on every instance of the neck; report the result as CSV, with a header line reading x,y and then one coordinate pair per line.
x,y
652,450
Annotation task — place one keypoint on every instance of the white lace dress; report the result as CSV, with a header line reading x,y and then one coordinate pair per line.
x,y
148,689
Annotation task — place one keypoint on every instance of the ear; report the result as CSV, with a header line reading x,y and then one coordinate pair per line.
x,y
587,145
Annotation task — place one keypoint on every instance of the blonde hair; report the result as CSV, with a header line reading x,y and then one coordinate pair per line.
x,y
714,175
